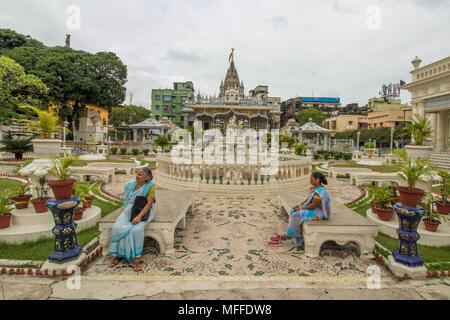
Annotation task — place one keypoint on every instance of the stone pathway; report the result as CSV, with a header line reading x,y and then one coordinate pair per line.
x,y
27,288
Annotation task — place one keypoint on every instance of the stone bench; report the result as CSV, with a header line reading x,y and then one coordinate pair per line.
x,y
170,214
333,172
103,174
344,226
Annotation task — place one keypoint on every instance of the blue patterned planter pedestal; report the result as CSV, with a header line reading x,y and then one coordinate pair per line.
x,y
409,220
66,246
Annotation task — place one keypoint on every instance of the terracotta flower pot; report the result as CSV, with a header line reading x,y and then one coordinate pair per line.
x,y
5,221
22,202
89,201
410,198
431,225
443,208
62,190
384,214
39,205
78,214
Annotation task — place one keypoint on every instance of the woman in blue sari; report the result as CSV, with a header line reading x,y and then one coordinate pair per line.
x,y
127,238
316,207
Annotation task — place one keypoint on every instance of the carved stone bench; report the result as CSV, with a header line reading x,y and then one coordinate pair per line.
x,y
170,214
344,226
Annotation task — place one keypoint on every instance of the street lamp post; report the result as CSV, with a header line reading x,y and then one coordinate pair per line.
x,y
392,138
358,137
64,134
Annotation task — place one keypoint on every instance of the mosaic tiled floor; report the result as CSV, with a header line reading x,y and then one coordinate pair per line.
x,y
227,236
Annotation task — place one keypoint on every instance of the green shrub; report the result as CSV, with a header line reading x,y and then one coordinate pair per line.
x,y
338,155
348,156
135,151
146,152
123,151
114,150
326,156
316,156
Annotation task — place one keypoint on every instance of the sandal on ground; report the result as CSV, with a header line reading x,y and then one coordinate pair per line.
x,y
278,238
138,266
115,262
274,244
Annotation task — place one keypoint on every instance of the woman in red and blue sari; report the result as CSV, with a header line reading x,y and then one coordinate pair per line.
x,y
317,207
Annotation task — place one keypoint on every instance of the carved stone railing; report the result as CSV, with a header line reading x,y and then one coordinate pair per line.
x,y
291,174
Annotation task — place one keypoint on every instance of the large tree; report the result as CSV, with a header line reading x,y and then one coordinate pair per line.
x,y
70,75
129,115
16,88
317,116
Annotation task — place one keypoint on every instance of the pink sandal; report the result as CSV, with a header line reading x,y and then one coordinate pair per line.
x,y
276,238
274,244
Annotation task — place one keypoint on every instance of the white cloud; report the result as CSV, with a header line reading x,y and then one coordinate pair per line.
x,y
295,47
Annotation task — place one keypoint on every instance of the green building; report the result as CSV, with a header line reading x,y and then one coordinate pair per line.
x,y
169,102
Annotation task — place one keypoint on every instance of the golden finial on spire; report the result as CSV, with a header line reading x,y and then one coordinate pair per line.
x,y
231,59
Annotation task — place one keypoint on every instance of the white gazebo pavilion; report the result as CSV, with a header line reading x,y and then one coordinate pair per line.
x,y
311,127
148,129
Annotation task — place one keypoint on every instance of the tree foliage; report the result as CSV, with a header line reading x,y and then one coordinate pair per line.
x,y
381,135
317,116
129,115
16,88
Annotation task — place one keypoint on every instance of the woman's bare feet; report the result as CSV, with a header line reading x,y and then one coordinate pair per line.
x,y
115,261
138,265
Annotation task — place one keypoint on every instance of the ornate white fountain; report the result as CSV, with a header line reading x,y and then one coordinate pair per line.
x,y
248,172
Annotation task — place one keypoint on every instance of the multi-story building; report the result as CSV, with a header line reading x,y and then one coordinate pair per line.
x,y
169,102
292,106
430,91
389,118
380,104
232,107
346,122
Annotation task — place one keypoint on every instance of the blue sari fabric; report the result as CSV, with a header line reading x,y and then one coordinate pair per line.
x,y
127,240
322,212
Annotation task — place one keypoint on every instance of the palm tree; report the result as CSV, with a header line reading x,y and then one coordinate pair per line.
x,y
18,147
419,129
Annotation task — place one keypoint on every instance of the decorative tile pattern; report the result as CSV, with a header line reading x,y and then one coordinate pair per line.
x,y
227,236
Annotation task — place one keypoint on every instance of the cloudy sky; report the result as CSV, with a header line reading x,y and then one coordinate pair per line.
x,y
347,48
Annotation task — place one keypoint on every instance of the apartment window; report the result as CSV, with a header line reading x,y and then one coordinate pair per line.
x,y
167,98
183,99
157,117
157,107
157,98
350,123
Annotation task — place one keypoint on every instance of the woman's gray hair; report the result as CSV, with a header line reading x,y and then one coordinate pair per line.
x,y
147,173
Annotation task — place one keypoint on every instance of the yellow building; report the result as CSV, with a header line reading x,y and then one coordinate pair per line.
x,y
93,123
346,122
389,118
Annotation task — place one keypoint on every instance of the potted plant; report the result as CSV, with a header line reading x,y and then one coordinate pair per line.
x,y
114,150
41,199
45,126
6,206
20,196
83,190
412,171
442,204
123,151
17,146
381,204
432,218
369,148
146,152
63,187
420,131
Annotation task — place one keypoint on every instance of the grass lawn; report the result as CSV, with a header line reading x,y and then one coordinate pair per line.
x,y
6,184
83,163
40,250
381,169
428,254
440,257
